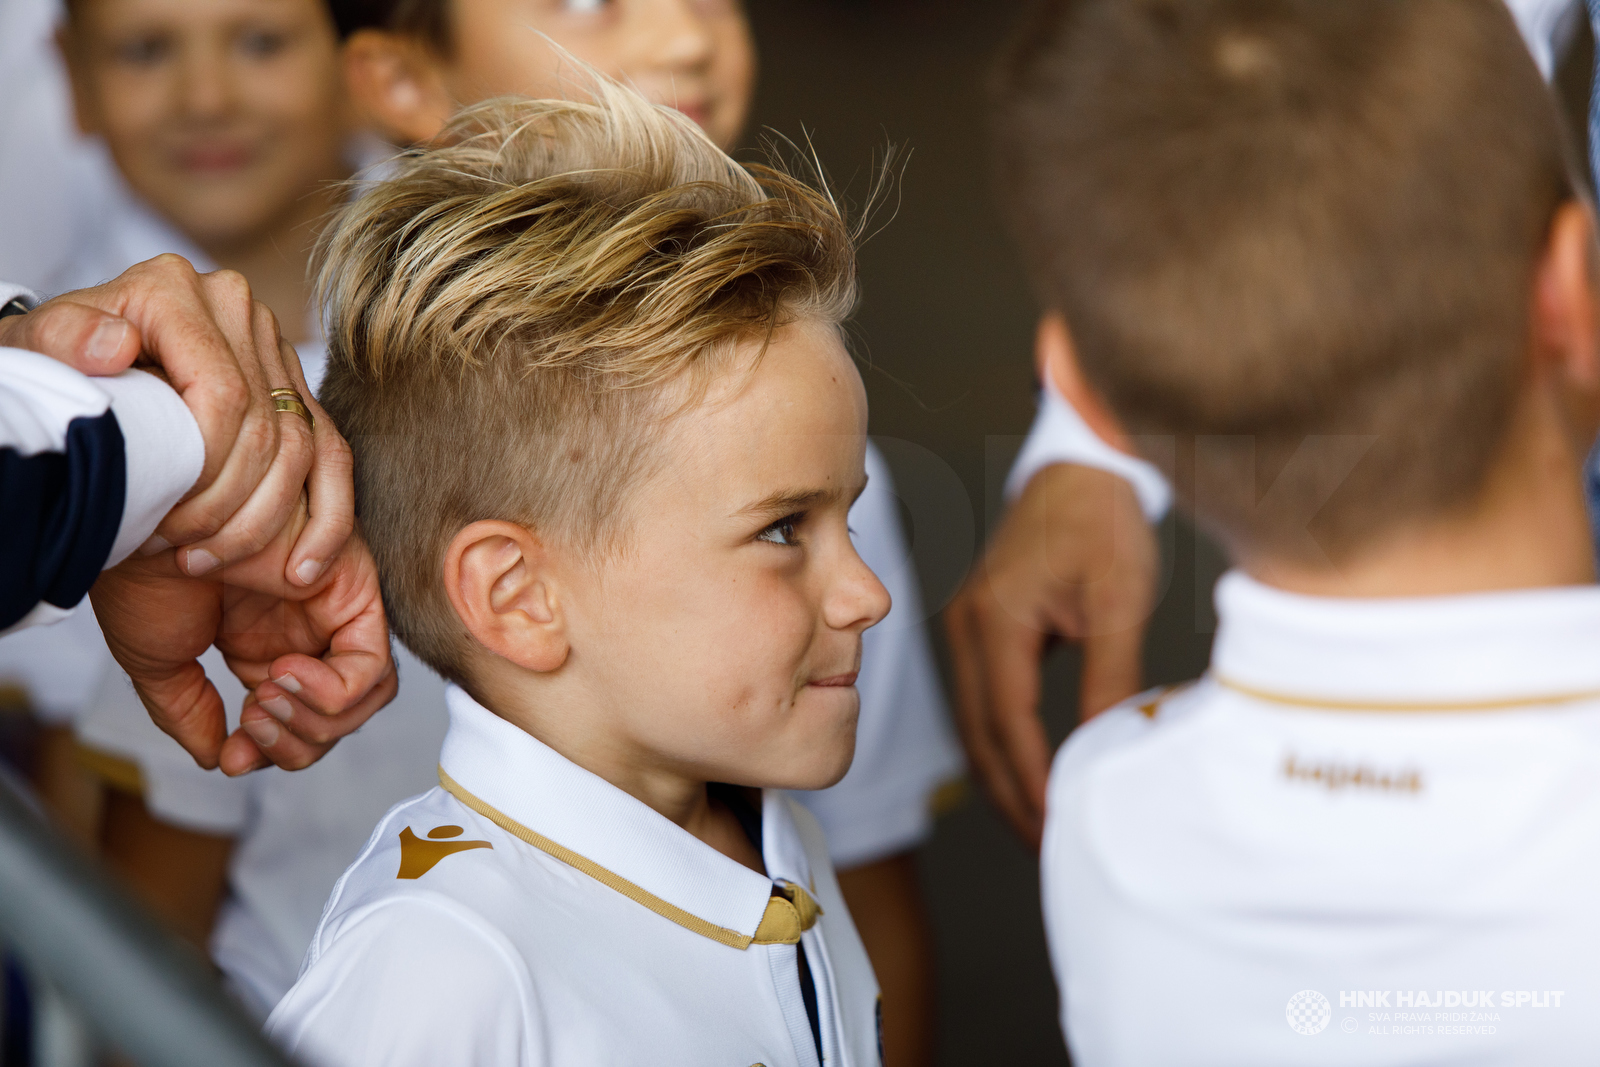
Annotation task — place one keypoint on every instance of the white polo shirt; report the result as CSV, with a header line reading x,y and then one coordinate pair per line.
x,y
1370,835
528,912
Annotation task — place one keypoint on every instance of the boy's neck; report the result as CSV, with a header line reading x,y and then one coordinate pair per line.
x,y
277,260
678,794
1528,529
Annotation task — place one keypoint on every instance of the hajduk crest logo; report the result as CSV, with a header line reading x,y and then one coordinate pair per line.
x,y
1308,1012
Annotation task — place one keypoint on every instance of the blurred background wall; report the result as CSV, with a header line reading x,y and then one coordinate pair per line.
x,y
944,337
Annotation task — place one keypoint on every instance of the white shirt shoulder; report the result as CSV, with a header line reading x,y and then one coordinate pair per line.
x,y
416,979
404,975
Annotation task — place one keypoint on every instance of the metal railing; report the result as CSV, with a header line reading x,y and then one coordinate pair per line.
x,y
144,994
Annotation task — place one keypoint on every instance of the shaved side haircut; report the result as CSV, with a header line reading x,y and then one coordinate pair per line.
x,y
518,314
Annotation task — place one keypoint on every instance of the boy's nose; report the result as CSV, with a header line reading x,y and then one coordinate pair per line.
x,y
679,36
206,89
859,600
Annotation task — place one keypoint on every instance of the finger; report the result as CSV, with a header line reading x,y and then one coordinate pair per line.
x,y
322,728
188,708
332,494
358,661
275,503
197,329
241,755
238,395
1011,652
83,337
271,742
972,717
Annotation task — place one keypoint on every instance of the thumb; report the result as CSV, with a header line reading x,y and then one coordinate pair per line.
x,y
187,707
87,339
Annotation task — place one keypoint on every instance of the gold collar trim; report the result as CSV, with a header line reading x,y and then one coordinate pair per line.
x,y
790,911
1320,704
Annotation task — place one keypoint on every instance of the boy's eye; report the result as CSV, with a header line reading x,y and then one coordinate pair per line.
x,y
262,44
781,532
144,51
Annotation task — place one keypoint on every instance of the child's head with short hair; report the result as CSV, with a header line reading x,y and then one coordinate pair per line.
x,y
1269,220
413,63
226,116
606,436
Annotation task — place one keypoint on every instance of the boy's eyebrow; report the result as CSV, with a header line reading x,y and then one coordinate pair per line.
x,y
786,501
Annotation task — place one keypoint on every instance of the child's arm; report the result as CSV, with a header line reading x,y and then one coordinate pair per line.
x,y
886,903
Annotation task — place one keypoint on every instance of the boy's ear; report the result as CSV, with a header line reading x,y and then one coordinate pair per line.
x,y
1565,319
497,575
1057,361
397,86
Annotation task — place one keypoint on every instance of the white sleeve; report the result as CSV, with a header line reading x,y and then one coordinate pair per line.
x,y
42,402
1059,435
165,454
160,438
905,748
410,983
1546,26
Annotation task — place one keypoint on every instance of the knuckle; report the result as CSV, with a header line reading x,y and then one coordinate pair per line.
x,y
230,285
319,730
167,264
258,435
201,518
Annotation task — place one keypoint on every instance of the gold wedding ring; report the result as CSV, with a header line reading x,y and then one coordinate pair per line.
x,y
289,400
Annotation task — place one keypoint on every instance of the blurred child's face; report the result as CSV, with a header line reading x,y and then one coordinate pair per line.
x,y
695,55
222,114
722,643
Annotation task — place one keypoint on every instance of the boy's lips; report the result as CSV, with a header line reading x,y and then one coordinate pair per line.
x,y
837,681
214,158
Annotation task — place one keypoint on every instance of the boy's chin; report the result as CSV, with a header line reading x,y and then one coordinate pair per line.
x,y
824,765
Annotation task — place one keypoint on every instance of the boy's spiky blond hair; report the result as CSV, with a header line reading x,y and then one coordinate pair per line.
x,y
519,311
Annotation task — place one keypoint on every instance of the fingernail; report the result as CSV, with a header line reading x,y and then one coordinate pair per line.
x,y
288,681
106,341
309,570
279,708
155,544
263,732
199,562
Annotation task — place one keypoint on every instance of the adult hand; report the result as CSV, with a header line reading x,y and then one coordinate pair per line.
x,y
317,658
1074,558
220,350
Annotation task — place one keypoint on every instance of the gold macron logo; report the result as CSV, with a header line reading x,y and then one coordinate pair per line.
x,y
419,855
1335,776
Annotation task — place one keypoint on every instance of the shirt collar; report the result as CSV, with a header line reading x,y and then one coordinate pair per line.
x,y
537,794
1464,652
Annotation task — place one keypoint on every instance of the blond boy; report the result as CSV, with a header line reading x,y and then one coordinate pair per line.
x,y
1324,263
410,65
606,438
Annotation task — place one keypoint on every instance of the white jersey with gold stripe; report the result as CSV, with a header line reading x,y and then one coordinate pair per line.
x,y
527,913
1371,835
